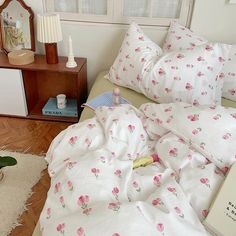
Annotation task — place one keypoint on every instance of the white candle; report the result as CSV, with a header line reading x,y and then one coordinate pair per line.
x,y
70,46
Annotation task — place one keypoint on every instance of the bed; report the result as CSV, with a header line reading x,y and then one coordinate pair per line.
x,y
102,85
94,188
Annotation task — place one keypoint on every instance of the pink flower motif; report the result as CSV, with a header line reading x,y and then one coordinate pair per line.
x,y
196,131
80,232
115,234
91,126
194,117
154,82
205,213
173,152
205,181
157,180
70,185
179,212
225,169
180,56
83,200
73,140
118,173
161,72
137,49
95,171
141,38
168,90
88,141
208,48
232,91
87,211
49,211
200,74
157,201
226,136
62,201
131,128
60,228
115,191
172,190
136,186
57,187
188,86
233,115
138,78
115,206
160,227
200,58
217,117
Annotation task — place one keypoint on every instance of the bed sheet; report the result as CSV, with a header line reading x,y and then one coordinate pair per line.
x,y
93,185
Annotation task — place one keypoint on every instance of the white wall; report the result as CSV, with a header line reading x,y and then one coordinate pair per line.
x,y
215,19
99,43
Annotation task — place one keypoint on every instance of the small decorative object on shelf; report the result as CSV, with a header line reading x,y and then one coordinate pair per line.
x,y
61,101
49,32
71,63
51,108
116,96
21,57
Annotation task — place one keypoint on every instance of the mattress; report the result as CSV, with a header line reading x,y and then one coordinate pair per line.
x,y
102,85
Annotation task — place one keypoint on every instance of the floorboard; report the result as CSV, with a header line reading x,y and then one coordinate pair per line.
x,y
34,137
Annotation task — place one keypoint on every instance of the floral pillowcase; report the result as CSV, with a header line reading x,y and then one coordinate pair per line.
x,y
180,37
179,76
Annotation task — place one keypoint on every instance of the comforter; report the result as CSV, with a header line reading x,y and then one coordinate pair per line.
x,y
95,190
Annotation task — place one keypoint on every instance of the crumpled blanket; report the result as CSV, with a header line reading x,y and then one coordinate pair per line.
x,y
95,191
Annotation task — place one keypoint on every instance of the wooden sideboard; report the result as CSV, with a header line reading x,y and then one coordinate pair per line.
x,y
42,81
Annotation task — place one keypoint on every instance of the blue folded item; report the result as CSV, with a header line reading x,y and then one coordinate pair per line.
x,y
104,99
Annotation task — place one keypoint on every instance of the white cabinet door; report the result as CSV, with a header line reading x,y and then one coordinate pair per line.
x,y
12,94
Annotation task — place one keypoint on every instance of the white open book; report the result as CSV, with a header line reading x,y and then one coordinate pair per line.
x,y
221,220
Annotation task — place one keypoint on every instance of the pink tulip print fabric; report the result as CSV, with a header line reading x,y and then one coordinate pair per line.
x,y
95,191
192,75
181,38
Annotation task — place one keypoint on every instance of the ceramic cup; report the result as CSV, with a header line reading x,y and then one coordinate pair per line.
x,y
61,101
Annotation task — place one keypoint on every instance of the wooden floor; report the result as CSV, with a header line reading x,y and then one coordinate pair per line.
x,y
33,137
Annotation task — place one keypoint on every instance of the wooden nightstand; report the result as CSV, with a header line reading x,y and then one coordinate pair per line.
x,y
42,80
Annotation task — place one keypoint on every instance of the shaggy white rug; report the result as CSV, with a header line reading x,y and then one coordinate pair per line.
x,y
16,186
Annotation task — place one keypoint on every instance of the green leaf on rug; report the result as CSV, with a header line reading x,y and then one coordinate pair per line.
x,y
7,161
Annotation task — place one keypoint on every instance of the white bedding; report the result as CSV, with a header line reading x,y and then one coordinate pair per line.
x,y
95,191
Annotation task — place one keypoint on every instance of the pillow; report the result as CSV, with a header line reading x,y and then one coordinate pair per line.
x,y
229,72
137,54
188,76
180,37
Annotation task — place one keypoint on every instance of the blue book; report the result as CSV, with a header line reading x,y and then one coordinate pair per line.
x,y
51,109
105,99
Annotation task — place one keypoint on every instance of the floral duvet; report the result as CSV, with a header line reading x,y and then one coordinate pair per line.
x,y
95,191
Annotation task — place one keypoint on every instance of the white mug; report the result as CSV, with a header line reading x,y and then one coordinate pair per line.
x,y
61,101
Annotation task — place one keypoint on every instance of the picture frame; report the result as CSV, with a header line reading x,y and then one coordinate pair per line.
x,y
16,26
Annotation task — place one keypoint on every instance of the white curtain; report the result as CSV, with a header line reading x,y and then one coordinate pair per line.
x,y
166,8
66,5
158,8
136,8
97,7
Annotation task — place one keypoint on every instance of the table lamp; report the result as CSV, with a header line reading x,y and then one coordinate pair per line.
x,y
49,33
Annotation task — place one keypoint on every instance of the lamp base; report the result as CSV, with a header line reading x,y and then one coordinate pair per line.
x,y
51,53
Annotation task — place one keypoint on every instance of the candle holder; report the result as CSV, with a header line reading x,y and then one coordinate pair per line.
x,y
71,63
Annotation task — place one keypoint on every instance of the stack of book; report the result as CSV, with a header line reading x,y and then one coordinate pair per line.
x,y
51,109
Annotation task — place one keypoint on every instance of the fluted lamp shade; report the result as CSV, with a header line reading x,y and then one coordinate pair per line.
x,y
49,32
